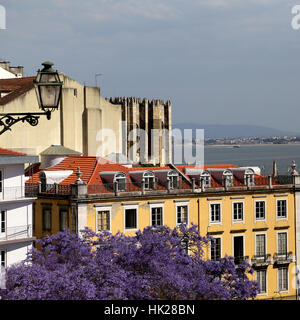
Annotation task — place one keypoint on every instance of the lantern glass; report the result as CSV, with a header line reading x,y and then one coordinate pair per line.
x,y
48,87
50,96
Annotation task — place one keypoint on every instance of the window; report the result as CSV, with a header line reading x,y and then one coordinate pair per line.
x,y
3,222
283,279
215,212
281,209
149,180
121,179
130,218
182,214
47,223
238,249
238,211
173,177
1,181
228,177
157,216
73,220
63,220
215,250
261,278
206,179
103,220
260,213
260,245
282,243
2,258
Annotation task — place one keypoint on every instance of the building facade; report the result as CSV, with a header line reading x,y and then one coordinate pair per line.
x,y
16,234
88,123
251,217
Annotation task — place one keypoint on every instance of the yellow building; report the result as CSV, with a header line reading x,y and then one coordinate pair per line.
x,y
251,217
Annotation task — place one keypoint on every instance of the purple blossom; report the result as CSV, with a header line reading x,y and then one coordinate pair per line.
x,y
151,265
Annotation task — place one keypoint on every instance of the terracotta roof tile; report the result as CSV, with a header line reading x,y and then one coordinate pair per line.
x,y
6,152
16,87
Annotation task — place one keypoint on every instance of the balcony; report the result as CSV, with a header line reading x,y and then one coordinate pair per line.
x,y
282,258
16,233
239,259
12,193
261,260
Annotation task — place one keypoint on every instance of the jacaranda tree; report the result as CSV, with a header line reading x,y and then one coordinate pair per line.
x,y
154,264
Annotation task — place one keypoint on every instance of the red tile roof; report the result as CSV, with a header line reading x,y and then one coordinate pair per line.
x,y
6,152
92,166
15,87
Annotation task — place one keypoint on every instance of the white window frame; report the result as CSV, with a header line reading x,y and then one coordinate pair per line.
x,y
266,271
182,204
2,183
235,220
120,176
171,176
265,206
153,206
221,251
5,222
128,207
238,235
259,234
210,213
99,209
278,273
5,258
280,218
287,241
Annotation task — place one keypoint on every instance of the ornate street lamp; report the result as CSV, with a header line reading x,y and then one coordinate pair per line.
x,y
48,90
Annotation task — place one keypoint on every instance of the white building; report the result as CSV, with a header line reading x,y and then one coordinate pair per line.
x,y
15,208
4,74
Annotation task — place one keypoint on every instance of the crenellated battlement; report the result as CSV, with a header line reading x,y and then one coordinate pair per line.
x,y
130,101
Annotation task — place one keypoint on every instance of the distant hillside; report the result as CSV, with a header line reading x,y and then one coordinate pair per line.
x,y
234,131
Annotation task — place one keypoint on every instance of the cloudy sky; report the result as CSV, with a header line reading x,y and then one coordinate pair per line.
x,y
218,61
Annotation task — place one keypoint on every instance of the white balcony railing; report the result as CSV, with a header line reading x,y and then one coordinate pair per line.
x,y
12,193
16,233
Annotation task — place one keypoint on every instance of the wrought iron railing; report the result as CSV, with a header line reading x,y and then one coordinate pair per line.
x,y
240,259
261,259
283,257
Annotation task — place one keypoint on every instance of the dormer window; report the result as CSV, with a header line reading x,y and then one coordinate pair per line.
x,y
120,178
249,176
205,177
174,179
149,179
228,177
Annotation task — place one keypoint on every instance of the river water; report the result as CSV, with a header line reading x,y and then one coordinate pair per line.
x,y
250,155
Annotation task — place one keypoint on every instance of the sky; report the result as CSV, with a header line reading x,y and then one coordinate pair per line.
x,y
218,61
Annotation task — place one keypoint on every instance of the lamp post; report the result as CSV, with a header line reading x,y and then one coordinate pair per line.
x,y
48,89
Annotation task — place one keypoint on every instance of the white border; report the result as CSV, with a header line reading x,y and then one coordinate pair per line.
x,y
287,211
213,222
99,209
185,203
288,280
266,271
156,205
255,247
132,206
232,207
221,247
259,220
287,240
238,235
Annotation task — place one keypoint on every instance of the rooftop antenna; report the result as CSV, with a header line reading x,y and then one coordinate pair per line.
x,y
96,76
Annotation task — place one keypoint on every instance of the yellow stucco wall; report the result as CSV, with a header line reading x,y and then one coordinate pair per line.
x,y
199,214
